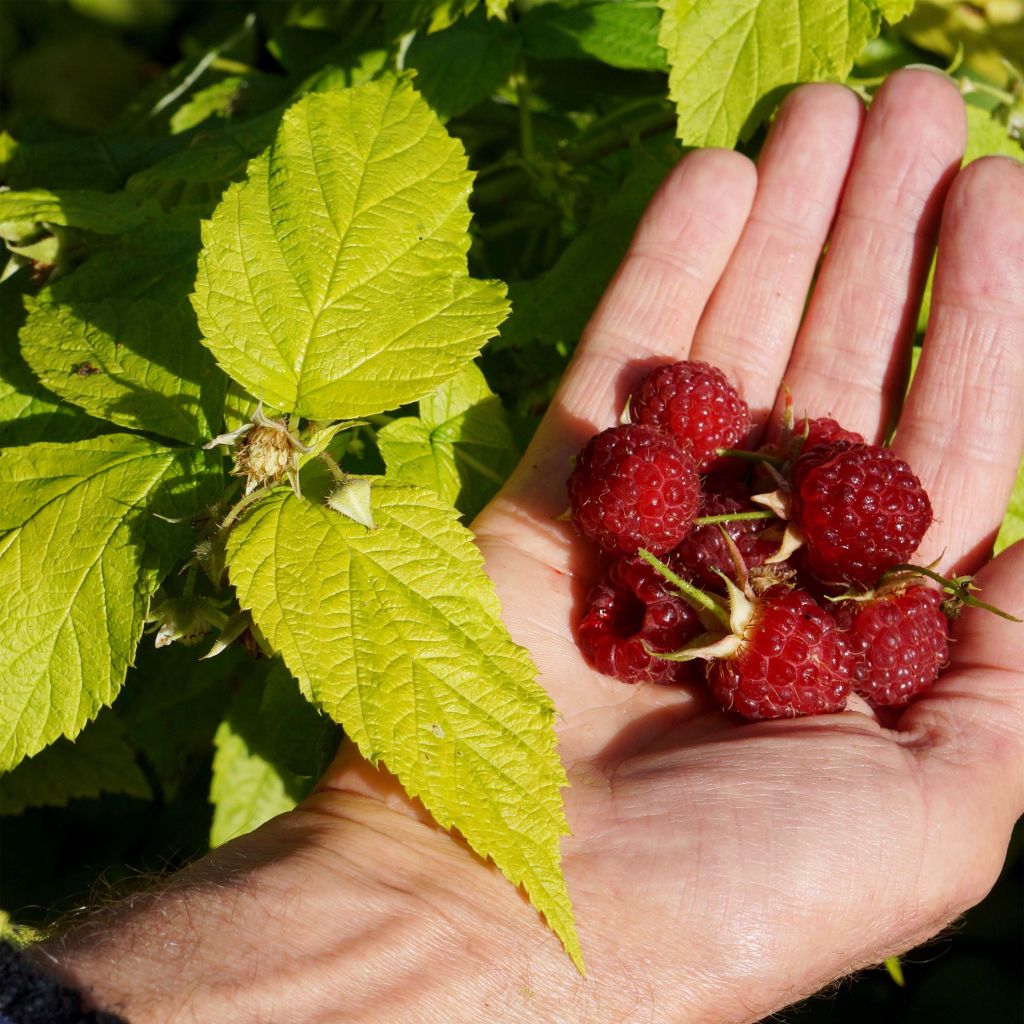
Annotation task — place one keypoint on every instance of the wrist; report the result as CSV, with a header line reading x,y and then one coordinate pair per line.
x,y
340,910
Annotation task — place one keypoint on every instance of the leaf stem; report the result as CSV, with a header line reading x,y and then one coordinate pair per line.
x,y
694,597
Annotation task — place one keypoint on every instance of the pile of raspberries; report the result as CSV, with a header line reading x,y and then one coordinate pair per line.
x,y
779,576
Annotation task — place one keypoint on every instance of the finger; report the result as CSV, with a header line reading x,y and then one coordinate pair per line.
x,y
651,308
752,319
962,428
647,315
851,354
969,730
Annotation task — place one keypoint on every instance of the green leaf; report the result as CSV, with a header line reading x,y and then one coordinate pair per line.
x,y
732,62
99,761
299,738
553,308
464,64
28,412
171,705
396,633
460,446
247,788
107,213
1012,529
80,555
624,35
195,177
119,338
333,281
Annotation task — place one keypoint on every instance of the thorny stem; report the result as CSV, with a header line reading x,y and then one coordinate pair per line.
x,y
733,517
239,507
737,453
693,596
332,465
959,586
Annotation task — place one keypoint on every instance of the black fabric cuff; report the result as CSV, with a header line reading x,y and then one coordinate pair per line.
x,y
28,995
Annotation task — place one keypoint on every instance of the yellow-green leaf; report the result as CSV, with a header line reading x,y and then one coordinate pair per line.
x,y
333,281
396,633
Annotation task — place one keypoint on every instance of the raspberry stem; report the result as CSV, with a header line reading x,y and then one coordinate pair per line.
x,y
959,587
697,599
733,517
739,453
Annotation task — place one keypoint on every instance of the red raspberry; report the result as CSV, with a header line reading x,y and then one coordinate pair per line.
x,y
634,487
820,431
630,606
792,660
696,403
703,550
899,642
860,508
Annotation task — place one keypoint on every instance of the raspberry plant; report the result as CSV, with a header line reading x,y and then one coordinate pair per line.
x,y
274,235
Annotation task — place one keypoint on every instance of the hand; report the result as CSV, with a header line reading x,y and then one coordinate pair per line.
x,y
719,870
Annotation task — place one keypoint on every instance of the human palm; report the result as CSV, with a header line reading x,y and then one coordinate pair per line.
x,y
721,869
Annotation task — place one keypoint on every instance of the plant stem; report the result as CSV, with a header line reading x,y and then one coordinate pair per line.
x,y
525,121
733,517
737,453
697,598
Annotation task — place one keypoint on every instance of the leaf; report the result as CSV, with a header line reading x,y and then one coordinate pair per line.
x,y
28,412
108,213
553,308
299,738
99,761
624,35
332,283
464,64
194,178
119,338
460,446
171,705
397,634
732,62
80,556
247,788
1012,529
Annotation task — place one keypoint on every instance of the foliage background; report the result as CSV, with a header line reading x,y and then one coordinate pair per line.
x,y
564,109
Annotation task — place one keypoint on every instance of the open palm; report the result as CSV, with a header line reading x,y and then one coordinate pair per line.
x,y
720,869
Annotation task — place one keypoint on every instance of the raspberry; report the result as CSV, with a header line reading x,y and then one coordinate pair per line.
x,y
703,550
860,508
634,487
820,431
899,641
696,403
792,660
630,606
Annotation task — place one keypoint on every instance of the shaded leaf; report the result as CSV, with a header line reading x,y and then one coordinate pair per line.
x,y
71,612
100,760
119,338
624,35
247,787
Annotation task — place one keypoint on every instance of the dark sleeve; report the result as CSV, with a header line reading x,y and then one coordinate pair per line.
x,y
28,995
